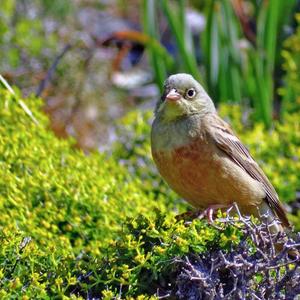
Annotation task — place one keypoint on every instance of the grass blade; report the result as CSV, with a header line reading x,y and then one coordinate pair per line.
x,y
149,25
21,103
176,21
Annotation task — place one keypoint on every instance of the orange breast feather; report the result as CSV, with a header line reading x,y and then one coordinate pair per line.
x,y
187,169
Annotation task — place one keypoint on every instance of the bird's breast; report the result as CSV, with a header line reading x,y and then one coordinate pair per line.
x,y
199,172
187,169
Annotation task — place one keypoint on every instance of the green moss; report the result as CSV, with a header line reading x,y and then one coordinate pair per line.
x,y
69,204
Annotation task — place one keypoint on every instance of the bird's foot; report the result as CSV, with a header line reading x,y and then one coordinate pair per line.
x,y
208,213
211,212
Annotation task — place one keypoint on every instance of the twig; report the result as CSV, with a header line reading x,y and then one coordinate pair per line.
x,y
51,70
232,275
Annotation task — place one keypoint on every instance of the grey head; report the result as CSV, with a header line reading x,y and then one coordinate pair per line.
x,y
183,96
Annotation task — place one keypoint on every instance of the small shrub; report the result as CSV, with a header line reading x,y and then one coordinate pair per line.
x,y
66,205
233,259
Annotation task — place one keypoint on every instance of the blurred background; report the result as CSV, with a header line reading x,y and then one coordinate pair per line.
x,y
94,61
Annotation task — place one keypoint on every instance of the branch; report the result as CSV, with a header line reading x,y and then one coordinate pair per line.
x,y
51,70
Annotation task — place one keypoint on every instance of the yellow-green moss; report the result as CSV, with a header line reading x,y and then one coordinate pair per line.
x,y
64,204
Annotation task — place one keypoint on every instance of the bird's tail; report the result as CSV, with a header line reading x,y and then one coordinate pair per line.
x,y
268,216
275,226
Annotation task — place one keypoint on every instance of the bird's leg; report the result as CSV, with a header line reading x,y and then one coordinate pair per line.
x,y
209,212
199,214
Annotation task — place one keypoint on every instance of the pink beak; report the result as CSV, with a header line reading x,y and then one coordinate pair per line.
x,y
173,95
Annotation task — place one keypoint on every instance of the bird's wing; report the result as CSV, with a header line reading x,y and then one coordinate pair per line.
x,y
227,141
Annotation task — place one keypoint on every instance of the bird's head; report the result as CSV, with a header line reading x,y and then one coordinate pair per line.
x,y
183,96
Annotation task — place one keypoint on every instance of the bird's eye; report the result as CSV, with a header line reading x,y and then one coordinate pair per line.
x,y
191,93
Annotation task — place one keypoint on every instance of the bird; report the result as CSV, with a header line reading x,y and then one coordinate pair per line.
x,y
202,160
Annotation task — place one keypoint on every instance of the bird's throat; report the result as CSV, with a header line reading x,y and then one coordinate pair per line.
x,y
171,111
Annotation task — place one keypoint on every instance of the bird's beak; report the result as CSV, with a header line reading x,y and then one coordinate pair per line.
x,y
173,95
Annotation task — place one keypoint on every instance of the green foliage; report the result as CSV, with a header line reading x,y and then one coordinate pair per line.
x,y
68,205
221,51
177,22
240,64
175,16
160,257
28,37
291,65
147,249
28,44
150,28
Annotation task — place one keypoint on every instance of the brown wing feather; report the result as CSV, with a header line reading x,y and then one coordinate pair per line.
x,y
227,141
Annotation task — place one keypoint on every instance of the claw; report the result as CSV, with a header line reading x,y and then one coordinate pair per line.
x,y
211,211
208,213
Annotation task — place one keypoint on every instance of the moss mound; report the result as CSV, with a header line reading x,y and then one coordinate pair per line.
x,y
56,203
